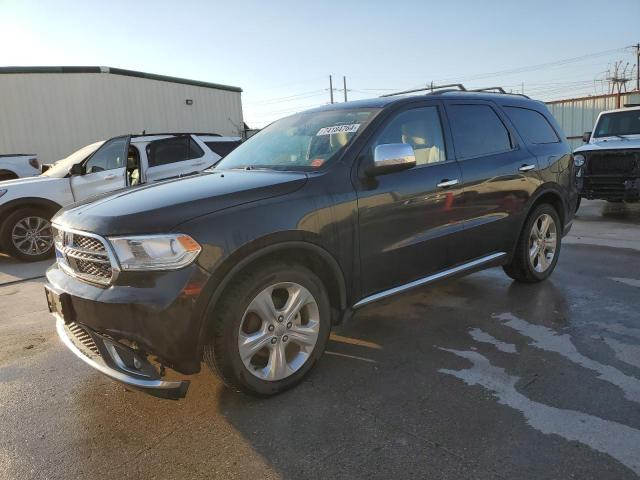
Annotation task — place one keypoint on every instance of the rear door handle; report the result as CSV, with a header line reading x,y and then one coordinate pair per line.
x,y
198,163
109,177
526,168
448,183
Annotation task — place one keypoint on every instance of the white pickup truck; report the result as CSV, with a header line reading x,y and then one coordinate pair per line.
x,y
27,204
16,165
608,166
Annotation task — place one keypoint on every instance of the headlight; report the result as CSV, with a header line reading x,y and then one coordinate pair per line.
x,y
578,160
2,192
155,252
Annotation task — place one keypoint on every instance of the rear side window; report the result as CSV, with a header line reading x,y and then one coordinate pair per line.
x,y
222,148
171,150
477,130
532,125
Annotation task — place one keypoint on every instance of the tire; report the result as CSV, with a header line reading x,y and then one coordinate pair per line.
x,y
528,268
16,223
236,319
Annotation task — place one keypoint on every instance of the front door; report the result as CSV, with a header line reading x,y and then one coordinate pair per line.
x,y
407,218
104,171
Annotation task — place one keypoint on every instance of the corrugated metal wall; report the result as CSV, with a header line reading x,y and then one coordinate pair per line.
x,y
578,115
53,114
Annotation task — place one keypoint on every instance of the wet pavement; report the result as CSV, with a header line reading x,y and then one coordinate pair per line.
x,y
474,378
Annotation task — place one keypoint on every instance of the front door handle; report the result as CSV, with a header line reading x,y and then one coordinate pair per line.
x,y
109,177
446,183
198,163
526,168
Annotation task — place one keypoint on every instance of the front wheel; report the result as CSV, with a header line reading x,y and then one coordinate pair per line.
x,y
536,254
269,329
26,235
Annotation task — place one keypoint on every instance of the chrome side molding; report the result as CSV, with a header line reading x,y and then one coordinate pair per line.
x,y
430,279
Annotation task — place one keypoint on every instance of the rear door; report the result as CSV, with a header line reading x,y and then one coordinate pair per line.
x,y
175,157
499,174
104,171
407,219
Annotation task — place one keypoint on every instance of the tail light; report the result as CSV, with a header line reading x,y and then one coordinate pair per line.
x,y
34,162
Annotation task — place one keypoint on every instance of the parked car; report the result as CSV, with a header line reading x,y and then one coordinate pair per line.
x,y
247,266
608,166
16,165
26,205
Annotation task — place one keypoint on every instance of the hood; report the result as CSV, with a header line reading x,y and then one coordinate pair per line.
x,y
161,207
610,143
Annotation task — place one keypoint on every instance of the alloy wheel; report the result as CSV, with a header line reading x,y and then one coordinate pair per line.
x,y
279,331
543,243
32,235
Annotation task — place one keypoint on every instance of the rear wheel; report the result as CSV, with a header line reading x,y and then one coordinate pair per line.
x,y
26,235
269,330
538,248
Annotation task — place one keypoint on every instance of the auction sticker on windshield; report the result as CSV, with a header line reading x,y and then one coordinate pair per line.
x,y
338,129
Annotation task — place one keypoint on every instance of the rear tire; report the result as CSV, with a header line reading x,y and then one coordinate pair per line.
x,y
536,254
261,343
26,235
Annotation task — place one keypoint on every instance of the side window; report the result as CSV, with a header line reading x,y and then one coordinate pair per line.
x,y
477,130
420,128
171,150
222,148
110,156
532,125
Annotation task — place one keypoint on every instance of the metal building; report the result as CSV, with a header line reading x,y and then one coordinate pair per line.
x,y
577,115
52,111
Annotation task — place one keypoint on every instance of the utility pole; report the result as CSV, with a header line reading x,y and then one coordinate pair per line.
x,y
637,66
331,88
344,85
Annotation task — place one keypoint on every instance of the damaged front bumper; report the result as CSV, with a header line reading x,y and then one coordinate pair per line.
x,y
117,361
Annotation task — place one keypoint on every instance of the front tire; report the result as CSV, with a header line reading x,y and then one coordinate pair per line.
x,y
536,254
269,329
26,235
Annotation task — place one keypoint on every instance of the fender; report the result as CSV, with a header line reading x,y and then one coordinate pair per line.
x,y
257,254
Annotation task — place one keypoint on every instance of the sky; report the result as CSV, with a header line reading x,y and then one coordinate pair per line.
x,y
281,53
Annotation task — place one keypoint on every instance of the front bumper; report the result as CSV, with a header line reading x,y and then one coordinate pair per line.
x,y
117,361
161,312
609,187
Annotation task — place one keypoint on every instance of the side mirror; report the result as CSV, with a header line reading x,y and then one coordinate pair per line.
x,y
391,157
76,169
586,136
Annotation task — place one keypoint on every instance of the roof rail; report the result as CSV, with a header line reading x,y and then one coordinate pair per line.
x,y
154,134
457,87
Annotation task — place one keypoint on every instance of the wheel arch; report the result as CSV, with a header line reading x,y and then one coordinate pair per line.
x,y
29,202
9,173
310,254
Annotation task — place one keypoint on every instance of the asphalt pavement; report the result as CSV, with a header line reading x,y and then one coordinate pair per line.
x,y
474,378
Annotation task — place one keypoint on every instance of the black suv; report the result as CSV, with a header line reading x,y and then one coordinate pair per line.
x,y
247,266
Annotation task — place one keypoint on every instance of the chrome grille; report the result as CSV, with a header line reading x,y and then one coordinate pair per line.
x,y
84,256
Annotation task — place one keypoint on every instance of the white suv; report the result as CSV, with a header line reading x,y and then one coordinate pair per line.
x,y
17,165
26,205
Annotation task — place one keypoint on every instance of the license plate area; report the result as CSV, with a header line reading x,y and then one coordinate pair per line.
x,y
59,303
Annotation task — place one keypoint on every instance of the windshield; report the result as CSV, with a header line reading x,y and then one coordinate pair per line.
x,y
618,123
61,168
305,141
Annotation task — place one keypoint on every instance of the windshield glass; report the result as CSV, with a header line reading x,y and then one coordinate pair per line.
x,y
61,168
305,141
618,123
